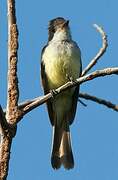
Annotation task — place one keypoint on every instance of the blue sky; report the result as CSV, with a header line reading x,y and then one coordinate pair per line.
x,y
95,130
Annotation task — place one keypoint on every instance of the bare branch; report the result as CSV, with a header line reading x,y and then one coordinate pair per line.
x,y
5,147
7,127
13,91
39,101
101,51
29,105
99,101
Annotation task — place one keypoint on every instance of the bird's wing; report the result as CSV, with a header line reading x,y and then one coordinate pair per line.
x,y
46,90
72,112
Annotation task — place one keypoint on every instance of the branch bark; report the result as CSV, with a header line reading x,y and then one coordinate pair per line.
x,y
6,141
5,145
13,91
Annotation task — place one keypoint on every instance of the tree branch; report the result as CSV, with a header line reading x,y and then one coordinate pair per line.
x,y
5,146
12,112
99,101
101,51
30,105
8,124
6,141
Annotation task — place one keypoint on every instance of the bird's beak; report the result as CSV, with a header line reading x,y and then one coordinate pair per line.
x,y
65,24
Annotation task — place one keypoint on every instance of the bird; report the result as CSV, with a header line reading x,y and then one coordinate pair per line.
x,y
60,63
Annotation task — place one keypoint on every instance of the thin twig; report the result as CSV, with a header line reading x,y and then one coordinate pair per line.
x,y
99,101
101,51
81,102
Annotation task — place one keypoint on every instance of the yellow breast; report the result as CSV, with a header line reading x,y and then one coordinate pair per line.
x,y
62,61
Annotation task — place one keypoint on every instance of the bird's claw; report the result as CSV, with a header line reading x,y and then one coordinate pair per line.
x,y
74,81
53,92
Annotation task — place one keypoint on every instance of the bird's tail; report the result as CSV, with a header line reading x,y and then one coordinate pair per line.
x,y
61,151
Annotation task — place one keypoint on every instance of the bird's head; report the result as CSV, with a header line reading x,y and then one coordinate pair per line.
x,y
58,25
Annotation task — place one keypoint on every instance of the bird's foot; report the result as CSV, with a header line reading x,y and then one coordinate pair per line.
x,y
74,81
53,92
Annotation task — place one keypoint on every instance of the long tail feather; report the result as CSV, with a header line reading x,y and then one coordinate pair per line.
x,y
61,151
